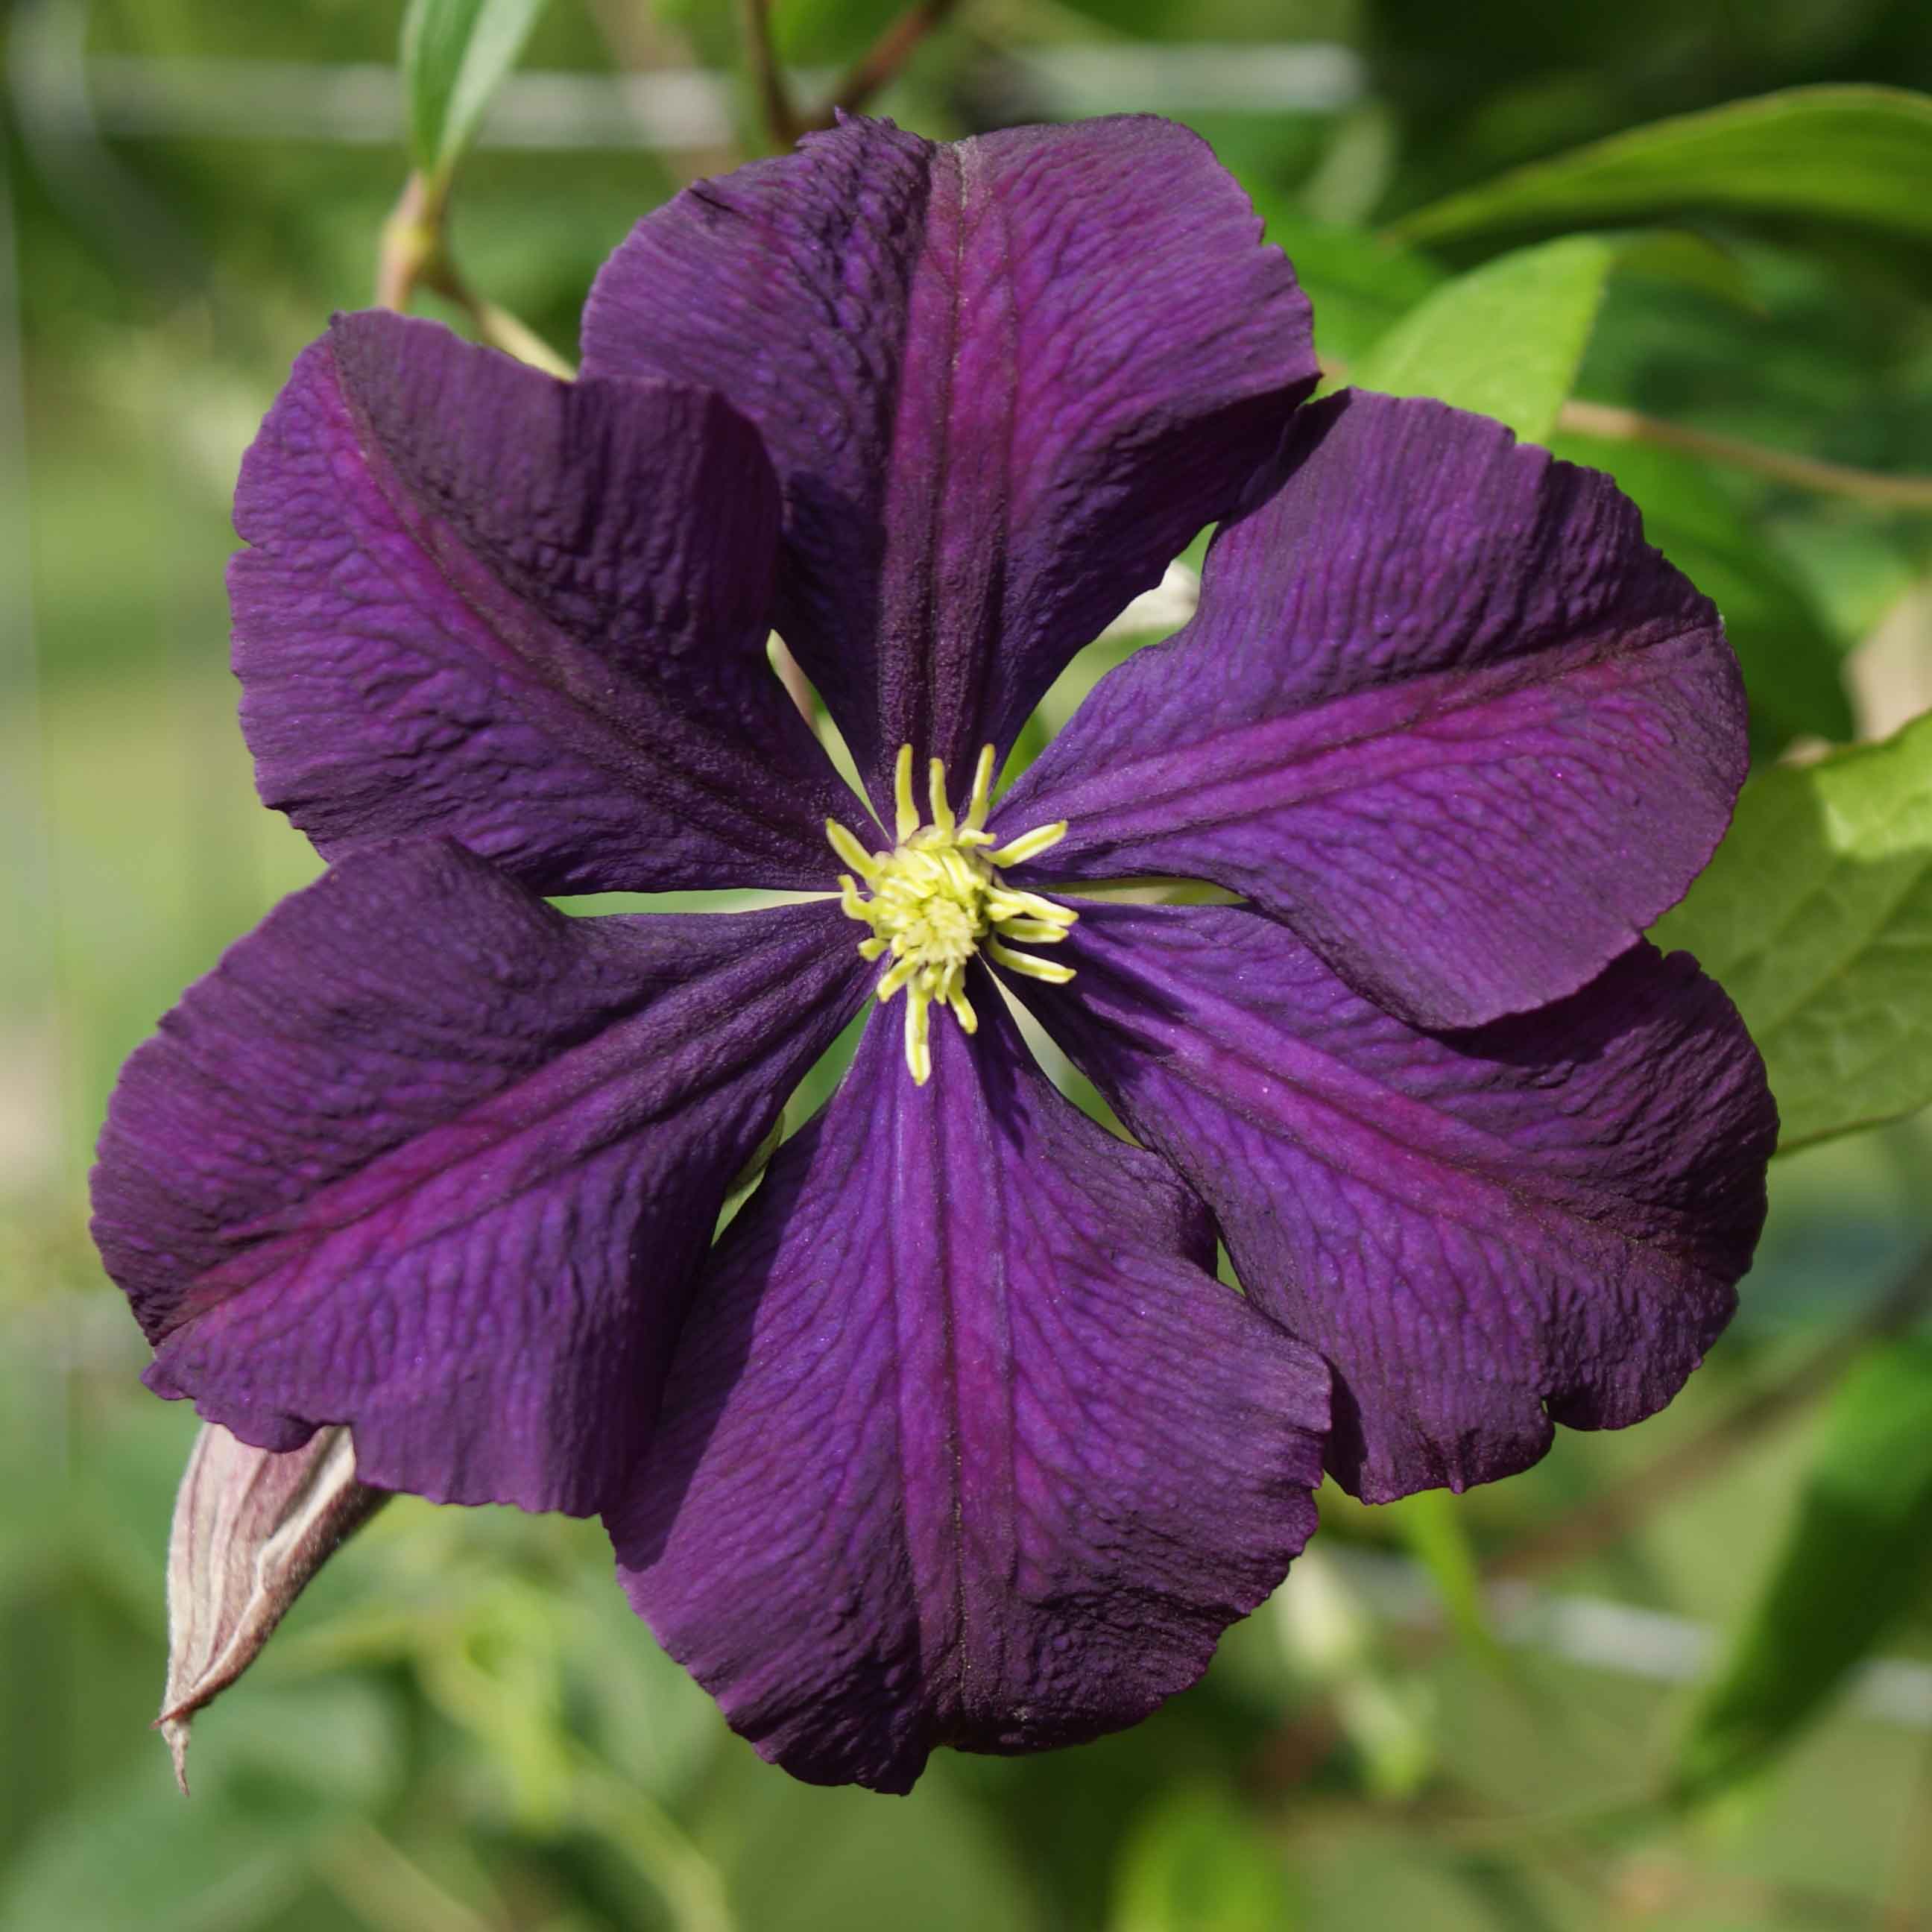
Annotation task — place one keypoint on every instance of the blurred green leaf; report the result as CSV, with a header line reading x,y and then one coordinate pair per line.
x,y
1505,340
1790,661
1433,1524
1508,339
1862,154
139,1858
831,1858
1328,1634
806,31
1196,1862
455,54
1859,1553
1816,916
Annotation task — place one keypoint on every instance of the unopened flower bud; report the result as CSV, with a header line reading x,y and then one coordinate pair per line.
x,y
251,1527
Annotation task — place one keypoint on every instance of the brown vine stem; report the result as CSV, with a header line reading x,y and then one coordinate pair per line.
x,y
1613,1512
1805,472
781,122
883,61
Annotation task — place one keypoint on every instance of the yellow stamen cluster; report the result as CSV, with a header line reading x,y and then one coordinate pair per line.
x,y
936,898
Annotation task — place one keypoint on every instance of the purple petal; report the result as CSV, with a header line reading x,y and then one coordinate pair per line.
x,y
1004,382
1544,1218
1443,710
963,1446
425,1156
526,614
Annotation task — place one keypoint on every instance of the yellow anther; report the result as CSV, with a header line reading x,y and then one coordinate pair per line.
x,y
918,1035
1048,969
936,901
865,864
935,789
1029,844
1034,931
981,800
905,810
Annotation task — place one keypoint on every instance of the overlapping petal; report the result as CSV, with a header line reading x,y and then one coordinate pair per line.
x,y
1442,709
1003,381
963,1445
1481,1232
528,614
424,1156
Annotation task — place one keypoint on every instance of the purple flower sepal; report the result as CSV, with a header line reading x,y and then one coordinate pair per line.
x,y
953,1438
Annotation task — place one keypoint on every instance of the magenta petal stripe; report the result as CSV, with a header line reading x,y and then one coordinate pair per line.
x,y
527,614
425,1156
1541,1219
1443,711
963,1444
1003,381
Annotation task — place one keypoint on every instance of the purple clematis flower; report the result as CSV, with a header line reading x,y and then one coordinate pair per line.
x,y
953,1437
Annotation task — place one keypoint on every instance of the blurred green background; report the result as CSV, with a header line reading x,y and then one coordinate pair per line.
x,y
1681,1677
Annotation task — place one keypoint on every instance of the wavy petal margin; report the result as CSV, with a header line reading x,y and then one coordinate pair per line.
x,y
1004,382
964,1444
425,1156
526,614
1443,711
1484,1232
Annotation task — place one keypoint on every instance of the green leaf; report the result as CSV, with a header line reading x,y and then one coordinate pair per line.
x,y
1195,1862
1506,340
1855,1559
1790,661
138,1858
1816,917
455,55
806,32
1862,154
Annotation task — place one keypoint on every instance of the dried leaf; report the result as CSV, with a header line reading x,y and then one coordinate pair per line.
x,y
251,1527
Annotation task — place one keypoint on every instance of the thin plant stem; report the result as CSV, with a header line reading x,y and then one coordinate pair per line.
x,y
414,253
1912,1884
882,63
381,1885
782,121
1615,423
1613,1513
1804,472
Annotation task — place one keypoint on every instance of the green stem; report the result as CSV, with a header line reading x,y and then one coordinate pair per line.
x,y
414,253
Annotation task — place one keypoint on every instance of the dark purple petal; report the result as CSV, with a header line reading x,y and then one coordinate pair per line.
x,y
528,614
963,1446
425,1156
1443,710
1003,381
1542,1218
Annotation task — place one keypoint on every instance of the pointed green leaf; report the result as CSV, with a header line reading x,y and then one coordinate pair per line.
x,y
1858,1554
455,55
1858,154
1816,916
1506,340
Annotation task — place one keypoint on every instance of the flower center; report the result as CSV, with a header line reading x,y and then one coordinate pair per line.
x,y
936,898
